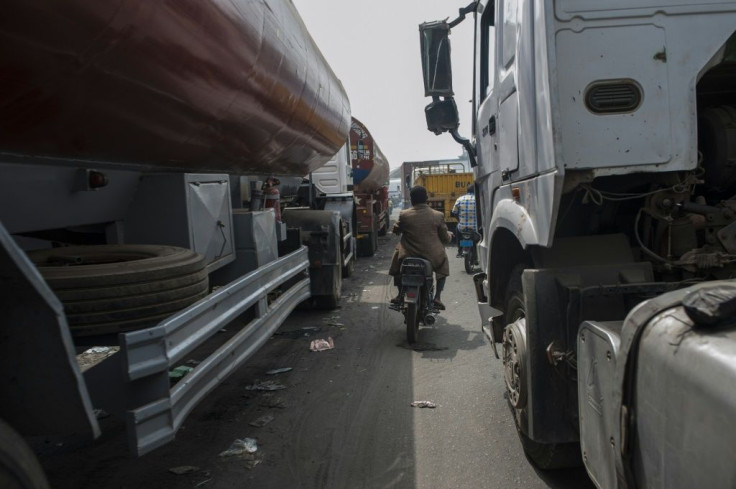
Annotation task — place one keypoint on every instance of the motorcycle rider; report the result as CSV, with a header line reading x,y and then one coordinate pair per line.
x,y
424,234
464,210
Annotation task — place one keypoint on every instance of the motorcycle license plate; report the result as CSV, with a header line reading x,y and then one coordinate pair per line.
x,y
466,243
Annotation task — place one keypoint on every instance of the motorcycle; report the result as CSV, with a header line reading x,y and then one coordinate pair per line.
x,y
469,248
416,296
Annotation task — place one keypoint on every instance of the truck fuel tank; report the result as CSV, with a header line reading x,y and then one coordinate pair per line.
x,y
664,379
370,166
190,85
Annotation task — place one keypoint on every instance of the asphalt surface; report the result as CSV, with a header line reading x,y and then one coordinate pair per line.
x,y
344,418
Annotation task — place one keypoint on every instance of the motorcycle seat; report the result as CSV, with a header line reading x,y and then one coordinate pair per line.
x,y
416,266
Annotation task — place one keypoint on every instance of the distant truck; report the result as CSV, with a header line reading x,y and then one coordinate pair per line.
x,y
394,192
444,186
128,136
604,134
370,179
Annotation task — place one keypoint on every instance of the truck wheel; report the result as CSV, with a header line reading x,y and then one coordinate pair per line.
x,y
109,289
19,467
348,269
543,455
365,246
330,301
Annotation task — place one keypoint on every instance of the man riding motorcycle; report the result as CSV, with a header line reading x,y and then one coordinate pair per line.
x,y
423,234
464,211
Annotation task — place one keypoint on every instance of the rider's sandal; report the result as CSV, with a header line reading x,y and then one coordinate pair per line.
x,y
439,305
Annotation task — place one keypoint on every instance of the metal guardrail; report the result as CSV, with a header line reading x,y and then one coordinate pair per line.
x,y
149,354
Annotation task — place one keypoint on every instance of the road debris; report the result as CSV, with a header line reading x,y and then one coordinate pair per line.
x,y
244,449
299,333
267,385
321,345
98,349
262,421
183,469
424,404
277,371
179,372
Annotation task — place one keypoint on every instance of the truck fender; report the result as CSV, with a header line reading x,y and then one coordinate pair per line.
x,y
509,215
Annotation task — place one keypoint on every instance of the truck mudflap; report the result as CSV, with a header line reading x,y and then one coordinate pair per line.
x,y
155,410
673,419
487,312
38,368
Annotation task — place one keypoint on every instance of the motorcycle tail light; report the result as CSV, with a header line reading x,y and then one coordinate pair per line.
x,y
411,294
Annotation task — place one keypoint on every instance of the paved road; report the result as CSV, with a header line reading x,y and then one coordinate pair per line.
x,y
344,419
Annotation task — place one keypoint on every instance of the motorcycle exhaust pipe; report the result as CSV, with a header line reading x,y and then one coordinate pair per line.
x,y
429,319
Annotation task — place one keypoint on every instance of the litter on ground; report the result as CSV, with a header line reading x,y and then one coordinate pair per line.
x,y
277,371
424,404
321,345
244,449
179,372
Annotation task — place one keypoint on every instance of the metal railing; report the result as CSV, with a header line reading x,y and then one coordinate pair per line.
x,y
149,354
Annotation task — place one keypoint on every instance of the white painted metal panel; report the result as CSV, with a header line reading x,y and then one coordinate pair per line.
x,y
601,140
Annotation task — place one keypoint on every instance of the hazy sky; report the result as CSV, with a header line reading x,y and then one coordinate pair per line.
x,y
373,47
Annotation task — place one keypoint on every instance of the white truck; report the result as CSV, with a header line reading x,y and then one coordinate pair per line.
x,y
126,131
604,148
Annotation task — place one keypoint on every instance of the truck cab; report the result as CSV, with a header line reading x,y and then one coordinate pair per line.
x,y
603,141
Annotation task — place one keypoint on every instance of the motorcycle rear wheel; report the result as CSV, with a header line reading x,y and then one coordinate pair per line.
x,y
412,322
469,261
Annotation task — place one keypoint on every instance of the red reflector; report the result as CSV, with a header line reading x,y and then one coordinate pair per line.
x,y
316,263
411,294
97,179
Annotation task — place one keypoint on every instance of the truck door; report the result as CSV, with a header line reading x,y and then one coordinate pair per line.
x,y
508,96
485,96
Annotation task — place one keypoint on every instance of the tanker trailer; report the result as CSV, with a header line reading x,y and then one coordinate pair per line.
x,y
122,126
370,177
321,218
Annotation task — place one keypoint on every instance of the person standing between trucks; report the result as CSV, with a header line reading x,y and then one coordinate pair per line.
x,y
424,234
464,210
272,196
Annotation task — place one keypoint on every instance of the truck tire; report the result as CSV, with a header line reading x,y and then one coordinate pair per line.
x,y
19,467
543,455
330,301
348,269
110,289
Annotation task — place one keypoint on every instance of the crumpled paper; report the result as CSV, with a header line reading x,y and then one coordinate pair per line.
x,y
424,404
321,345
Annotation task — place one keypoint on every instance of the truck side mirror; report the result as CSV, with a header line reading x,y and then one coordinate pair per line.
x,y
442,116
434,42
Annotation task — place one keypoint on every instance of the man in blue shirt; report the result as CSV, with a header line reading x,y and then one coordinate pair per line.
x,y
464,210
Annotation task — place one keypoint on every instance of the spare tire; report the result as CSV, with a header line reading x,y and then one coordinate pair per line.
x,y
109,289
